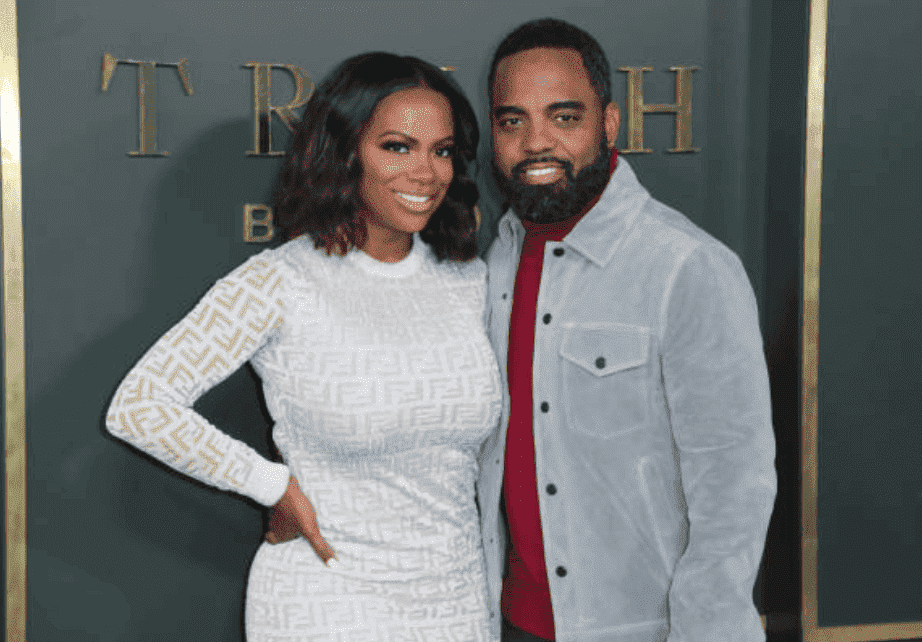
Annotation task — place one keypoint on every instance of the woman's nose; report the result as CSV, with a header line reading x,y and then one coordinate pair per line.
x,y
423,170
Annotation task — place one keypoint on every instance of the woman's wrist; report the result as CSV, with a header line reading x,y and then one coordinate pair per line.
x,y
268,482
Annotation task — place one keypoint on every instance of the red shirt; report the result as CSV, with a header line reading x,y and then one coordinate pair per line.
x,y
526,597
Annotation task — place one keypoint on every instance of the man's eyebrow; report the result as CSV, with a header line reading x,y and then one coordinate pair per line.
x,y
567,104
505,110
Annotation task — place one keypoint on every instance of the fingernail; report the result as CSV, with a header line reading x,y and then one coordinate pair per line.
x,y
332,563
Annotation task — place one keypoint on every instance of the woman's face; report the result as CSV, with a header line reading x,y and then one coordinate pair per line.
x,y
406,158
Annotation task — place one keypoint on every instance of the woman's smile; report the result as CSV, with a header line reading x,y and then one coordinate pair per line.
x,y
414,201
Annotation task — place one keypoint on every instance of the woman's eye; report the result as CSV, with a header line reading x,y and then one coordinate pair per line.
x,y
446,152
397,147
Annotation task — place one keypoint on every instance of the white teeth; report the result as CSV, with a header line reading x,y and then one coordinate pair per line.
x,y
413,199
541,172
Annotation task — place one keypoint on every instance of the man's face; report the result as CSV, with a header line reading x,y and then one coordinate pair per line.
x,y
547,119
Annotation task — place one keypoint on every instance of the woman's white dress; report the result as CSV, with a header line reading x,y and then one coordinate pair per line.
x,y
382,385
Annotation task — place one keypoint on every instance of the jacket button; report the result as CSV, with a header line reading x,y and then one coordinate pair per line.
x,y
561,571
551,489
558,251
545,406
600,363
505,295
547,319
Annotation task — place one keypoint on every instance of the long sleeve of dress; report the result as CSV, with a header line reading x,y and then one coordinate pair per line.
x,y
152,407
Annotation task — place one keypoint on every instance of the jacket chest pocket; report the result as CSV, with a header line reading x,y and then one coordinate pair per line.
x,y
605,376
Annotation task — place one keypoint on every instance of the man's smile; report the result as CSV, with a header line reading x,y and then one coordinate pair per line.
x,y
542,173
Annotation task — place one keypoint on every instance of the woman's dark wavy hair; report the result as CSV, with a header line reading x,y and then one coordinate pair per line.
x,y
557,34
317,191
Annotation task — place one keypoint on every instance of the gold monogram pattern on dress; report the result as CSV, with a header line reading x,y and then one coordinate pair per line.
x,y
152,408
382,391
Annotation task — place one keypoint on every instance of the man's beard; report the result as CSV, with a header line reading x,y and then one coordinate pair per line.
x,y
552,203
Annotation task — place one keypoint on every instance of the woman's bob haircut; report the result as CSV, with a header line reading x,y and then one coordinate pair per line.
x,y
317,192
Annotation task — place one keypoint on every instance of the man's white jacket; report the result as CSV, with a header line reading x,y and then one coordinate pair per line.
x,y
655,452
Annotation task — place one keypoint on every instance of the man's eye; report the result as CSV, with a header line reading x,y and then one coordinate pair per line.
x,y
396,147
567,118
509,122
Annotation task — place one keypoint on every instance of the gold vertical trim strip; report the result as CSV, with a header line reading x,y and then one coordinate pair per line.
x,y
14,362
813,179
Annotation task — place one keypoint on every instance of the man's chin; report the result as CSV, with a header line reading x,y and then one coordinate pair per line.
x,y
544,189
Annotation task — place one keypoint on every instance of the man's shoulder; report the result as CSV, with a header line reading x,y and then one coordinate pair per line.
x,y
503,240
678,245
663,227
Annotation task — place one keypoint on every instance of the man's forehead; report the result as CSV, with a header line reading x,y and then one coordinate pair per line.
x,y
541,69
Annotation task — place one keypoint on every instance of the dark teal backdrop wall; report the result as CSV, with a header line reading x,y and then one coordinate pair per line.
x,y
870,351
118,248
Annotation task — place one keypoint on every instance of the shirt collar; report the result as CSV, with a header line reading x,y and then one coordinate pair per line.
x,y
597,234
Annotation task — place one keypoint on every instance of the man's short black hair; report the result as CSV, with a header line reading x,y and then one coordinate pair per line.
x,y
548,32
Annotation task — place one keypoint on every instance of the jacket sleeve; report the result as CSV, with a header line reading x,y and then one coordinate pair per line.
x,y
716,386
152,407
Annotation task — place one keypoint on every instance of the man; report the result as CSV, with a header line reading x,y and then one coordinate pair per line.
x,y
627,494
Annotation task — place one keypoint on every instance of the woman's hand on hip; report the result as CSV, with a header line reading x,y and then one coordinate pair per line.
x,y
293,515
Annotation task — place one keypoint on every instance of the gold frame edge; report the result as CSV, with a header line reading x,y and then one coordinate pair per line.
x,y
14,337
813,179
14,371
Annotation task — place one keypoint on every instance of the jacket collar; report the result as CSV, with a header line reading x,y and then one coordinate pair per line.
x,y
597,234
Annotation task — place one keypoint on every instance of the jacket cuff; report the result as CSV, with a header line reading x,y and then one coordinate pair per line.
x,y
268,482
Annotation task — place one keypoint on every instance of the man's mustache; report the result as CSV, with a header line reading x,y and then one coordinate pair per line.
x,y
525,164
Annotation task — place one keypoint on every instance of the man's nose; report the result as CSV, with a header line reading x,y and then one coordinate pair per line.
x,y
537,140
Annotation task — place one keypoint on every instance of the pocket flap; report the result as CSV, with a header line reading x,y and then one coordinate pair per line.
x,y
608,350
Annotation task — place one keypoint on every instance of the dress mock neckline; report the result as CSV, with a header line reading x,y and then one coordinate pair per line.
x,y
404,267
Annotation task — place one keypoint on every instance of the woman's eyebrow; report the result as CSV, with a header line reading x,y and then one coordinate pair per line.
x,y
409,138
391,132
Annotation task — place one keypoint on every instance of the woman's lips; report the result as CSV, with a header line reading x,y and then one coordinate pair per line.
x,y
414,201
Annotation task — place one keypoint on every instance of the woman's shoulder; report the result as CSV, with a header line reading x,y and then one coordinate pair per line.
x,y
290,259
472,271
276,267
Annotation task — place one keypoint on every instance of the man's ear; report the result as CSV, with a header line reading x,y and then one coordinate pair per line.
x,y
612,123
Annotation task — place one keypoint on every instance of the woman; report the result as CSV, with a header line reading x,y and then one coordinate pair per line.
x,y
367,331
